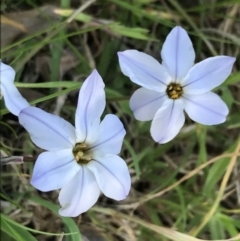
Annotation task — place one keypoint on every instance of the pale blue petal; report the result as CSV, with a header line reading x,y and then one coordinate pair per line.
x,y
177,53
144,70
47,131
112,175
7,73
168,121
110,136
207,109
53,170
12,98
91,103
145,103
207,74
80,193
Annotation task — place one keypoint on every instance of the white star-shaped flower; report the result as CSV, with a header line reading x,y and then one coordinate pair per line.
x,y
175,85
82,160
13,99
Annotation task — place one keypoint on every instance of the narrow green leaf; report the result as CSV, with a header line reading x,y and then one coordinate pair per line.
x,y
15,231
69,222
12,222
135,158
233,79
216,171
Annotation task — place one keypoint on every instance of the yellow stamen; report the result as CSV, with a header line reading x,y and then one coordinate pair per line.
x,y
81,153
174,91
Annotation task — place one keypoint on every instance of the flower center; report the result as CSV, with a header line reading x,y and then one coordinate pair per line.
x,y
81,153
174,91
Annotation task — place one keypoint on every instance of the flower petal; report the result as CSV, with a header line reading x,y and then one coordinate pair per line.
x,y
144,70
110,136
207,109
54,169
80,194
177,53
12,98
7,73
47,131
168,121
112,175
145,103
207,74
91,103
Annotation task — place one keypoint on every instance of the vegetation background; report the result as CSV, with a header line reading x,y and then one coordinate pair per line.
x,y
185,190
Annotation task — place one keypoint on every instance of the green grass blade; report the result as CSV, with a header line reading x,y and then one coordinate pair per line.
x,y
16,232
69,222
